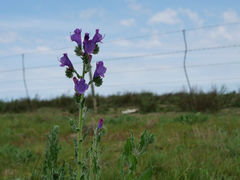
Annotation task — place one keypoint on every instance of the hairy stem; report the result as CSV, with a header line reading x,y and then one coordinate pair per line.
x,y
80,125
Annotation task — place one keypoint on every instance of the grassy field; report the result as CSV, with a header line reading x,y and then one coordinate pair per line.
x,y
188,145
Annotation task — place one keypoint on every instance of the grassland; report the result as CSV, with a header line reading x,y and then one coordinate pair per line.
x,y
188,145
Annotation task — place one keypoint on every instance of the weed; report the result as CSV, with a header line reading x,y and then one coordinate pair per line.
x,y
191,118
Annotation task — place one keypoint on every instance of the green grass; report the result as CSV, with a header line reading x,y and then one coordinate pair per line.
x,y
188,146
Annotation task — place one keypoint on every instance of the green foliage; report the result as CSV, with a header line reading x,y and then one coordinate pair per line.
x,y
191,118
148,103
208,150
52,169
78,51
98,81
198,100
129,158
17,155
121,119
96,49
69,72
233,144
147,174
85,59
145,102
95,154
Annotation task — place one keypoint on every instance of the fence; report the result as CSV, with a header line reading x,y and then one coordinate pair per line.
x,y
166,69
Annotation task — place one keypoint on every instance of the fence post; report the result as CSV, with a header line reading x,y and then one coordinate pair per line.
x,y
184,60
24,78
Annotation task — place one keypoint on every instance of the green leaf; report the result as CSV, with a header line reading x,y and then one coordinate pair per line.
x,y
78,50
146,175
96,49
145,140
128,147
69,72
133,162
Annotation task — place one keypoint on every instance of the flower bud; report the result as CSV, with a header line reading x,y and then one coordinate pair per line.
x,y
78,51
74,80
100,123
98,81
69,72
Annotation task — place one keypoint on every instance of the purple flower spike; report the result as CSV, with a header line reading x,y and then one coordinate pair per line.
x,y
77,36
97,37
90,44
100,123
100,70
65,61
80,86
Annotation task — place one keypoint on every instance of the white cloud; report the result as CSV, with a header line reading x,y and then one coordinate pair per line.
x,y
192,16
89,13
230,16
8,37
168,16
152,42
127,22
136,6
132,4
221,33
171,16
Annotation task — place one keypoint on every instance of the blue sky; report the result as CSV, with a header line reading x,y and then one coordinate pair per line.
x,y
41,30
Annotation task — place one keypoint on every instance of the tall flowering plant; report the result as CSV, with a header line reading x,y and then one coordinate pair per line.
x,y
85,50
87,162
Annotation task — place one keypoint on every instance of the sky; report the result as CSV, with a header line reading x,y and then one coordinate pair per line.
x,y
143,47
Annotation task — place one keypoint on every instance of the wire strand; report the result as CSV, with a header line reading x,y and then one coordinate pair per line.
x,y
130,38
137,56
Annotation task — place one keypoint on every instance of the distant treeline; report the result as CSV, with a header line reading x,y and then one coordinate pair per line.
x,y
145,102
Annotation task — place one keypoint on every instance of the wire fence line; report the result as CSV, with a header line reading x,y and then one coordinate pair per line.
x,y
138,56
184,52
127,71
129,38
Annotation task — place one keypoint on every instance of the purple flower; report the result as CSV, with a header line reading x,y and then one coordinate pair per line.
x,y
89,45
100,70
80,86
97,37
100,123
77,36
65,61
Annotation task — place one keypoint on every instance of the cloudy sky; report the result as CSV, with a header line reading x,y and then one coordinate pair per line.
x,y
142,49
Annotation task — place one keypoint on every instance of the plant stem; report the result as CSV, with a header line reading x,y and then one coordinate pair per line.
x,y
91,174
80,152
80,143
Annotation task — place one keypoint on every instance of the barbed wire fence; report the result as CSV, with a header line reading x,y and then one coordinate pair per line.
x,y
184,51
